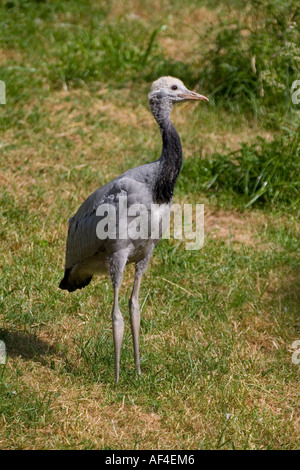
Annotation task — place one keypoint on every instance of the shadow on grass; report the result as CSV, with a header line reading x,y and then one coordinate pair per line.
x,y
27,345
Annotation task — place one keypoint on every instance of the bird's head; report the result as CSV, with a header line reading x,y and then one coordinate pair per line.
x,y
167,91
171,90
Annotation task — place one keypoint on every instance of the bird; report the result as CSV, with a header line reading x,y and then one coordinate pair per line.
x,y
149,186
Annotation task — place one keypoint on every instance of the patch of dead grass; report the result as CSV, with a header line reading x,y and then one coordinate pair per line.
x,y
82,413
9,55
181,40
240,228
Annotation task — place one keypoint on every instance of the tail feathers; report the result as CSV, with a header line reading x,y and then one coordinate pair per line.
x,y
71,282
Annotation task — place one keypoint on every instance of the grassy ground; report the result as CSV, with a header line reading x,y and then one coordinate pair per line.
x,y
217,324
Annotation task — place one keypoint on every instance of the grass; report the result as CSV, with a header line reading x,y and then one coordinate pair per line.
x,y
253,58
218,323
261,173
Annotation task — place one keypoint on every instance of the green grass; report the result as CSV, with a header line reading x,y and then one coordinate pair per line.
x,y
262,174
253,58
218,323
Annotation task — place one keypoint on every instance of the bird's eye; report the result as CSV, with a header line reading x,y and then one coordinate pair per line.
x,y
174,87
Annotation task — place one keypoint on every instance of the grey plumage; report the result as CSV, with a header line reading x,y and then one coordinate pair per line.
x,y
152,186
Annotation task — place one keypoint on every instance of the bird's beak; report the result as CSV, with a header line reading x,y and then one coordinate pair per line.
x,y
192,95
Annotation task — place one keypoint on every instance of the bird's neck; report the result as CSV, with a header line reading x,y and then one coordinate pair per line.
x,y
170,160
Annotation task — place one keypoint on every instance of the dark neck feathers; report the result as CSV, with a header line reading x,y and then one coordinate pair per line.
x,y
171,156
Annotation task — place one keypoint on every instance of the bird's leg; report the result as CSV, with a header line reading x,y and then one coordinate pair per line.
x,y
135,319
117,264
118,331
134,308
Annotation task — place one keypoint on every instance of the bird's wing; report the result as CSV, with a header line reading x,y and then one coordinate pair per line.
x,y
82,240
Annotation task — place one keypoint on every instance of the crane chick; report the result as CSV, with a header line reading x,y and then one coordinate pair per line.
x,y
92,250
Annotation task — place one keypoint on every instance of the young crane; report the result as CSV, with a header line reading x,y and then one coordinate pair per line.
x,y
150,185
